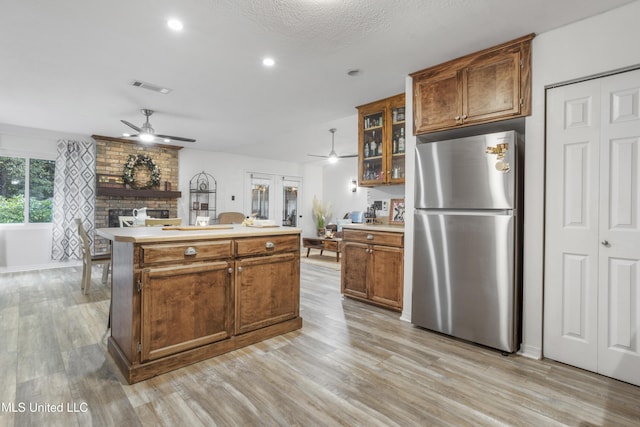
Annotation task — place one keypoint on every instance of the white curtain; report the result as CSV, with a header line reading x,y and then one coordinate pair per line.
x,y
74,196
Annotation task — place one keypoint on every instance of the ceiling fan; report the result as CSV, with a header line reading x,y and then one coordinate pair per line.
x,y
333,156
146,133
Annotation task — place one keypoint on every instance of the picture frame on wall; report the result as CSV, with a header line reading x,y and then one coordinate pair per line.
x,y
396,212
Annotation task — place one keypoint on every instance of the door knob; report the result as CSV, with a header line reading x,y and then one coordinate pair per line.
x,y
605,243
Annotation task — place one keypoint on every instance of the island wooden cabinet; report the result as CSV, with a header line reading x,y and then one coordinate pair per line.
x,y
267,287
381,142
184,307
179,300
490,85
372,266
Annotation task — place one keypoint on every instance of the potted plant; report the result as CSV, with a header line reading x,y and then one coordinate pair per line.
x,y
320,214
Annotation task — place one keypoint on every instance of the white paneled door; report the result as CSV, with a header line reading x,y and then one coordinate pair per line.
x,y
592,239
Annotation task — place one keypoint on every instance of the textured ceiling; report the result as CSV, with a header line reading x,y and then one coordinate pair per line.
x,y
67,65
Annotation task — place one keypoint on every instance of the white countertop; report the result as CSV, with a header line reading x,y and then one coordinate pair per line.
x,y
375,227
159,234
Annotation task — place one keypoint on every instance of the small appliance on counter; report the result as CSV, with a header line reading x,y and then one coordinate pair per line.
x,y
357,217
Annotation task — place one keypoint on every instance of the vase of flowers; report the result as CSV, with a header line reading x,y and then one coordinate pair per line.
x,y
321,212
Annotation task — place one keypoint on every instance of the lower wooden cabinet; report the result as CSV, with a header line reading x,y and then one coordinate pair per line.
x,y
185,307
267,291
373,272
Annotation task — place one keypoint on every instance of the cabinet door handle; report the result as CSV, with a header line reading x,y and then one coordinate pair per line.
x,y
239,269
230,270
457,118
464,116
269,245
366,251
190,251
369,236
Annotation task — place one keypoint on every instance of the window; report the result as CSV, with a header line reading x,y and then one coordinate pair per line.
x,y
30,180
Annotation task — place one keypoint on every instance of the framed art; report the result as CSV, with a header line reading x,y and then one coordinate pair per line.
x,y
396,211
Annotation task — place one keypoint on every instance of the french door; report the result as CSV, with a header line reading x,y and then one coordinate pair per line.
x,y
592,226
278,198
291,201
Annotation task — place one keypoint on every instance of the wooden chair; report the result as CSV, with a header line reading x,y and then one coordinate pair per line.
x,y
202,220
88,260
161,222
127,221
230,218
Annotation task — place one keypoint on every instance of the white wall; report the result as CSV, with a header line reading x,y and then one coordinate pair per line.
x,y
229,171
592,46
337,179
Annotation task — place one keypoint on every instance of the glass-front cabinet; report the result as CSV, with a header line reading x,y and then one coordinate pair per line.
x,y
381,142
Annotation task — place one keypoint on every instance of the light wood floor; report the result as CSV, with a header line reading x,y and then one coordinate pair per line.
x,y
351,364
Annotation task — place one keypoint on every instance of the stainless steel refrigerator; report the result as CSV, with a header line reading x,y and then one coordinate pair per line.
x,y
467,249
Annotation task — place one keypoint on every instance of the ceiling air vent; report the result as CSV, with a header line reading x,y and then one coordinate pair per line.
x,y
151,86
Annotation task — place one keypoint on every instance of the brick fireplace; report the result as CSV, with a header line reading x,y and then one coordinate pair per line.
x,y
112,195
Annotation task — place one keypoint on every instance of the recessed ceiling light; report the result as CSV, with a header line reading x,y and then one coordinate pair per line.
x,y
175,24
268,62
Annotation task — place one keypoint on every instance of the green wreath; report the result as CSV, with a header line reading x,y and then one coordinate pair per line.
x,y
130,171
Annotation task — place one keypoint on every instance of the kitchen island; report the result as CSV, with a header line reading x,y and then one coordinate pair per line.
x,y
182,295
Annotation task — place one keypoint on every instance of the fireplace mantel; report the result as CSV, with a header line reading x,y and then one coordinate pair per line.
x,y
130,192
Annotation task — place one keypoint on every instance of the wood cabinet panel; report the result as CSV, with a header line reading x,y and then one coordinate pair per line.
x,y
267,291
387,276
193,251
267,245
185,307
354,269
373,272
439,100
490,85
373,237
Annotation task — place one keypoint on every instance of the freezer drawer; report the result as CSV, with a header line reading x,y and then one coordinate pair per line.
x,y
463,276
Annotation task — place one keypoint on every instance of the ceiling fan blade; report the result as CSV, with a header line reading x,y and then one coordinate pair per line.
x,y
317,155
176,138
131,125
347,156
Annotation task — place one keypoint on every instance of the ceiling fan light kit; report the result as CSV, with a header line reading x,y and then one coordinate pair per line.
x,y
333,156
146,133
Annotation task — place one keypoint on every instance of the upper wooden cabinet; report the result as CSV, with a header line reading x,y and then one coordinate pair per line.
x,y
486,86
381,141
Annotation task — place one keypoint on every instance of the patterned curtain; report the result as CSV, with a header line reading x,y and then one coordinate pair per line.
x,y
74,196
